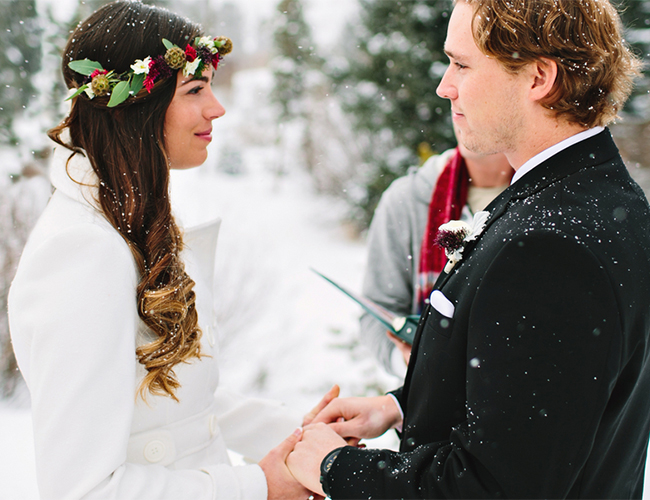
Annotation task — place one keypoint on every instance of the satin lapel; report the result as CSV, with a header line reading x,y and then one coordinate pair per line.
x,y
588,153
497,208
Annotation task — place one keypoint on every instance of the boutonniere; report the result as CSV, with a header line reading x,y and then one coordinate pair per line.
x,y
454,235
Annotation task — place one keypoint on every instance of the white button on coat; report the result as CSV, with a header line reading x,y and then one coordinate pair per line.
x,y
154,452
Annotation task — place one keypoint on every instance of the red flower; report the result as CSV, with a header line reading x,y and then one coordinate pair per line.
x,y
215,60
98,72
150,79
148,83
190,53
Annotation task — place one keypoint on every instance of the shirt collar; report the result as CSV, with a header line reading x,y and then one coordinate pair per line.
x,y
553,150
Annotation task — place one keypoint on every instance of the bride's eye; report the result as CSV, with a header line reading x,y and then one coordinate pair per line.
x,y
195,90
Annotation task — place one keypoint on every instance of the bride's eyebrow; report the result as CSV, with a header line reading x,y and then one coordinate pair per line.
x,y
200,79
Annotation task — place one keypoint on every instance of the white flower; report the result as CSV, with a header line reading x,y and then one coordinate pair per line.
x,y
141,66
190,67
454,235
206,41
477,225
89,92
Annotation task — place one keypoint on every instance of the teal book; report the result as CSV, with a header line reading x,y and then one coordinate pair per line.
x,y
403,327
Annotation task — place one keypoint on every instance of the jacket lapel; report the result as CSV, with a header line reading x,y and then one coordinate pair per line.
x,y
585,154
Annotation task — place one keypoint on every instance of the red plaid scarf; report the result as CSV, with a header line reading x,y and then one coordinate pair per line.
x,y
447,202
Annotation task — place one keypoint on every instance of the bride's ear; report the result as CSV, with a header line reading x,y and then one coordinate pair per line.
x,y
543,77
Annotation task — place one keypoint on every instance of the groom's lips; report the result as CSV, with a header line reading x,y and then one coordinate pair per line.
x,y
456,115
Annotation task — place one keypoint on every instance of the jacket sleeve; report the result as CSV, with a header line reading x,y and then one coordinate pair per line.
x,y
73,308
543,356
253,426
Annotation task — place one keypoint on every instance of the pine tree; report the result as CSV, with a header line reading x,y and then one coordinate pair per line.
x,y
297,79
635,15
20,38
396,61
296,57
632,132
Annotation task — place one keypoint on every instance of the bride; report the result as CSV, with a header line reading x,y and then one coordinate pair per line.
x,y
111,310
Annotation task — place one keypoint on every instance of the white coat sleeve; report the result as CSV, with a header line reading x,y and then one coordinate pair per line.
x,y
73,305
252,426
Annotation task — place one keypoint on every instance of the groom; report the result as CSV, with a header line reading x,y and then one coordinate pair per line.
x,y
530,372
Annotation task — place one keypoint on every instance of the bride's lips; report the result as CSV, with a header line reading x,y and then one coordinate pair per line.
x,y
207,135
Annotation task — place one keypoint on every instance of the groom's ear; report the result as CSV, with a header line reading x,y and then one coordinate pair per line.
x,y
543,80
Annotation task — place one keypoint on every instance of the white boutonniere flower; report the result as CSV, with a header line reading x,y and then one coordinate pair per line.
x,y
140,66
454,235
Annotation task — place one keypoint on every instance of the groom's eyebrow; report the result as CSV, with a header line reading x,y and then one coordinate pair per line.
x,y
451,55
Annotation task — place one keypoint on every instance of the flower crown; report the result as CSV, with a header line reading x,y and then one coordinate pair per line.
x,y
99,82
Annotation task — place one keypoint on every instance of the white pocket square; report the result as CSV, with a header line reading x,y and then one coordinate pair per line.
x,y
442,304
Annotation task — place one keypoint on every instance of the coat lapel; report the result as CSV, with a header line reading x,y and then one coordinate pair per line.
x,y
585,154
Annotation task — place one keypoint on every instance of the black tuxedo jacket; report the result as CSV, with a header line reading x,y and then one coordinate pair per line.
x,y
539,386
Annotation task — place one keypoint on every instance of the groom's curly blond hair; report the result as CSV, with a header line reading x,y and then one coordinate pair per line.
x,y
596,68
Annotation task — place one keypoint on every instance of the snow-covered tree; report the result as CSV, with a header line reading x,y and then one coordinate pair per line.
x,y
20,57
298,86
295,60
387,82
636,18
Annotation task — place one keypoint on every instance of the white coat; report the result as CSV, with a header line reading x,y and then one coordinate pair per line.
x,y
75,327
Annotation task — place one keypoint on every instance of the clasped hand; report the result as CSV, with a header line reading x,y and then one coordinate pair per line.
x,y
332,424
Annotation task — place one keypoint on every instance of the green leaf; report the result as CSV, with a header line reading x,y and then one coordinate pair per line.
x,y
136,83
84,66
168,45
119,94
79,91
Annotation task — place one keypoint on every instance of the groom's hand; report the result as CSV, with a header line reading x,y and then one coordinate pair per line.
x,y
361,418
318,440
281,484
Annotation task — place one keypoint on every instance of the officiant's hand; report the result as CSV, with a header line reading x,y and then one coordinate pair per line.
x,y
318,440
280,482
361,418
403,347
329,396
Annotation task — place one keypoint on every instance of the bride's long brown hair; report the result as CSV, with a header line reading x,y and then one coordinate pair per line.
x,y
126,148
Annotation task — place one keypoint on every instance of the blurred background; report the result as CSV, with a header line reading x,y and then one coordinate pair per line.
x,y
327,102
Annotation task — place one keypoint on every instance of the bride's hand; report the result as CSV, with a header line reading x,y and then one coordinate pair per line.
x,y
329,396
280,482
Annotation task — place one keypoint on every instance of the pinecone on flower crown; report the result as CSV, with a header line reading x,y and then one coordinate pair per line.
x,y
175,58
226,46
100,85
